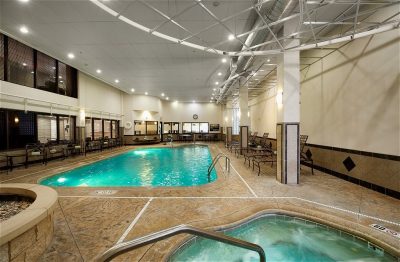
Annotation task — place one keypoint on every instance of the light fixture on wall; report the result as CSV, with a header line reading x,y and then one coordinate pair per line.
x,y
223,60
16,120
23,29
70,55
279,97
167,98
98,71
146,93
132,90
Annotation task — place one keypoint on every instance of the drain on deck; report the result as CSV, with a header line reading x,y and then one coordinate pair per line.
x,y
104,192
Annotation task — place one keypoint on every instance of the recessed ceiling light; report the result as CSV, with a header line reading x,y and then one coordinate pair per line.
x,y
116,81
23,29
60,77
23,1
132,90
223,60
61,81
167,98
268,60
210,101
214,89
219,73
71,56
162,94
98,71
32,72
146,93
231,37
217,83
24,64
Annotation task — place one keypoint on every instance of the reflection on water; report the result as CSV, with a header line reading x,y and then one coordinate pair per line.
x,y
180,166
284,238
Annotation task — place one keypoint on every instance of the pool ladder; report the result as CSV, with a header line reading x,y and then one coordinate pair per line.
x,y
124,247
215,161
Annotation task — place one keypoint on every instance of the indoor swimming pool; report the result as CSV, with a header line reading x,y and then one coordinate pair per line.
x,y
284,238
155,167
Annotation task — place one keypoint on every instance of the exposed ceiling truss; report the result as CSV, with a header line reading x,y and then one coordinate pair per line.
x,y
306,14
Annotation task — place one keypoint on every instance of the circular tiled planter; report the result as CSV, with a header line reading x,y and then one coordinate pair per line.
x,y
25,236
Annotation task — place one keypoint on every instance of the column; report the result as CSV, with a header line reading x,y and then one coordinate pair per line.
x,y
288,111
80,127
244,117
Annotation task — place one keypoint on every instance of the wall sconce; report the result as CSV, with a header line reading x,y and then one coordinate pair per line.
x,y
226,119
279,97
16,120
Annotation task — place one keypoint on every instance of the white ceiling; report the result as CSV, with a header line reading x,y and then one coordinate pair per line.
x,y
139,60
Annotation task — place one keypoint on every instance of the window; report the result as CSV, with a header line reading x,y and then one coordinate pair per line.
x,y
1,57
88,128
140,127
114,128
151,127
187,128
21,129
175,127
167,129
46,73
203,127
214,127
3,130
195,128
20,69
107,129
67,80
47,128
97,128
66,128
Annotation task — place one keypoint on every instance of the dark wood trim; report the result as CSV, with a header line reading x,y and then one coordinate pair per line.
x,y
377,188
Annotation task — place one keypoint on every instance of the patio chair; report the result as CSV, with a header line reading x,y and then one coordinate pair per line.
x,y
35,150
304,156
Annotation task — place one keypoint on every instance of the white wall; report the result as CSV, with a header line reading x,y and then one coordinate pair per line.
x,y
93,95
13,96
96,96
140,107
350,99
263,113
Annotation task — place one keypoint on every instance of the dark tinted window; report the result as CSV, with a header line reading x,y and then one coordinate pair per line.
x,y
46,73
20,63
21,128
3,130
67,80
1,57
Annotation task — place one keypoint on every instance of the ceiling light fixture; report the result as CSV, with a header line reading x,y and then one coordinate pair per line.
x,y
162,94
268,60
146,93
98,71
23,1
223,60
216,83
167,98
23,29
214,89
219,73
116,81
71,56
24,64
132,90
231,37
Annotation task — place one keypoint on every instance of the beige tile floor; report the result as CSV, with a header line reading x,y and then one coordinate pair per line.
x,y
87,224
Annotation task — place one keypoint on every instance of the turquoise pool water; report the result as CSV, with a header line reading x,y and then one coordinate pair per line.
x,y
156,167
284,238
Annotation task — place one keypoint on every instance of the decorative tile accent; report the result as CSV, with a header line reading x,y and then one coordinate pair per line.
x,y
308,154
349,164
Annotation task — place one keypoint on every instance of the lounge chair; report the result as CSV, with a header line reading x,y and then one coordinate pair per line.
x,y
54,149
268,157
304,157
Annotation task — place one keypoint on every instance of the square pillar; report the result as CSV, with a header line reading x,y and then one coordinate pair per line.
x,y
243,138
288,111
228,137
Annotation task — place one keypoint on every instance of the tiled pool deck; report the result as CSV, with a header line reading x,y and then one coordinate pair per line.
x,y
87,223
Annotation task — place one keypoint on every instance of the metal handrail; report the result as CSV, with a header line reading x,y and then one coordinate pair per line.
x,y
215,161
181,229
